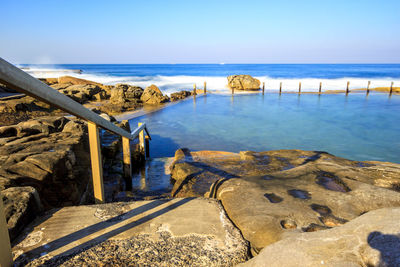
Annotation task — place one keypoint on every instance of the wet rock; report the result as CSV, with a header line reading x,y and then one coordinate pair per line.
x,y
21,205
243,82
260,190
372,239
153,95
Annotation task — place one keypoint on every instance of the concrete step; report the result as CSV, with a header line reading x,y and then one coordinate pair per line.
x,y
169,232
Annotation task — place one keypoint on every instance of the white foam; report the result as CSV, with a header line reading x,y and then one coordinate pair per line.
x,y
170,84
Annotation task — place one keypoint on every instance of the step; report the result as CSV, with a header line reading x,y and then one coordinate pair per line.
x,y
180,231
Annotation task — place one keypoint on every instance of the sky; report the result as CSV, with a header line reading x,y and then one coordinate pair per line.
x,y
168,31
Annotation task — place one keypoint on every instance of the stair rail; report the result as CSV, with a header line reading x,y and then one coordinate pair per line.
x,y
22,82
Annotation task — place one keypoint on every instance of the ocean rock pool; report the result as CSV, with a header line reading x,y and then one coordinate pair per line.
x,y
356,127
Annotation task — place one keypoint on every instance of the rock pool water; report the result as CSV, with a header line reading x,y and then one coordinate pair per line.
x,y
355,127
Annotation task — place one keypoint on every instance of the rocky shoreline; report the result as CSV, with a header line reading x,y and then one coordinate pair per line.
x,y
265,203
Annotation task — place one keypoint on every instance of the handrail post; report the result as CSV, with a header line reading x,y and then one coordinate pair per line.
x,y
5,246
142,141
97,164
127,161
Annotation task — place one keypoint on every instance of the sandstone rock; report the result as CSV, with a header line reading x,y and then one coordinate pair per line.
x,y
287,190
21,205
243,82
180,95
153,95
50,154
49,81
372,239
60,86
83,93
73,80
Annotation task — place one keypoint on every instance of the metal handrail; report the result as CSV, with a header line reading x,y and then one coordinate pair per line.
x,y
22,82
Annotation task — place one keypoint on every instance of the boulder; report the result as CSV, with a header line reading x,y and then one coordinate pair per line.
x,y
373,239
287,190
153,95
243,82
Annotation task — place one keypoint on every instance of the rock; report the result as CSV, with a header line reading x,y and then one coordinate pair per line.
x,y
373,239
60,86
83,93
73,80
169,232
153,95
287,190
21,205
180,95
243,82
50,154
49,81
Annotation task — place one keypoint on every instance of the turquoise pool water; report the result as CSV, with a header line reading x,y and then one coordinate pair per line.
x,y
355,127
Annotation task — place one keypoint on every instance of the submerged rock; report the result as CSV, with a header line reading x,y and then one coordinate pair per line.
x,y
243,82
372,239
271,194
153,95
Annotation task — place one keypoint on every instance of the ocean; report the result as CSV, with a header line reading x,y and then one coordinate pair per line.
x,y
356,126
175,77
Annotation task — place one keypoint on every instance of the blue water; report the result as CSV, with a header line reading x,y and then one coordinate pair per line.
x,y
355,127
175,77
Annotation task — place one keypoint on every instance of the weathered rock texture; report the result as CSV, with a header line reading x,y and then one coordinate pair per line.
x,y
177,232
372,239
269,194
153,95
243,82
49,155
180,95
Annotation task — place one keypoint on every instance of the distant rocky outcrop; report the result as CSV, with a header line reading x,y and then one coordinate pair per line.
x,y
270,194
243,82
153,95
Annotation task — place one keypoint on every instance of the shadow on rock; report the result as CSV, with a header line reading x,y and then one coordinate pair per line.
x,y
388,246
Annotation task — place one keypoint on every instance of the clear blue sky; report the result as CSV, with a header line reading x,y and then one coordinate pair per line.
x,y
280,31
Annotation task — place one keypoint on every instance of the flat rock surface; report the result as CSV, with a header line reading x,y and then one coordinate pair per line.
x,y
372,239
179,232
268,195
